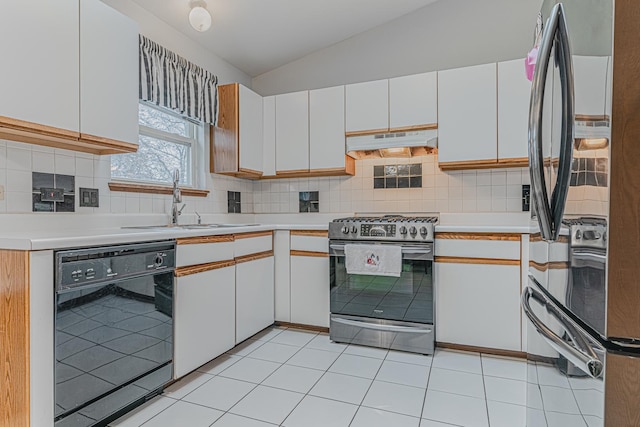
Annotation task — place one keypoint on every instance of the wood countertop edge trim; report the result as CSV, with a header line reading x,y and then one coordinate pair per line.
x,y
252,234
515,237
205,239
484,350
155,189
310,233
483,261
253,257
201,268
309,254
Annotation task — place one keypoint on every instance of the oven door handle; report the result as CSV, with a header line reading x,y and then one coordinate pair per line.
x,y
384,328
405,249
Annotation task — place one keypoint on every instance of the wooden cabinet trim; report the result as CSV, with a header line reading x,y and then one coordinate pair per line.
x,y
514,162
253,234
201,268
554,265
514,237
484,261
205,239
429,126
310,233
310,254
254,257
349,170
538,238
301,326
485,350
366,132
14,339
155,189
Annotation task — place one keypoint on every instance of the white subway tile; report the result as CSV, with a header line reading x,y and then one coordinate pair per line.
x,y
455,205
498,177
455,193
469,205
65,165
514,177
118,204
483,178
442,205
132,205
498,205
18,159
483,205
42,162
499,191
18,202
514,191
84,167
18,181
514,205
442,181
3,157
442,193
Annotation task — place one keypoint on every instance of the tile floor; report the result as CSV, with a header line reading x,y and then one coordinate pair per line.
x,y
296,378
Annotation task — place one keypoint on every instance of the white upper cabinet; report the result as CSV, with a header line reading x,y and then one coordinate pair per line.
x,y
269,136
367,106
590,82
250,128
326,128
40,62
514,90
108,73
467,114
292,132
413,100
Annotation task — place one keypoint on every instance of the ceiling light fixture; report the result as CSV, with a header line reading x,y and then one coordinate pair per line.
x,y
199,17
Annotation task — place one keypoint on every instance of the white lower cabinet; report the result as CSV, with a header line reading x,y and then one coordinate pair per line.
x,y
254,297
310,290
478,305
204,318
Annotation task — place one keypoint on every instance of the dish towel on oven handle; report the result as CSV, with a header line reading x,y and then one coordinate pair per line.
x,y
373,260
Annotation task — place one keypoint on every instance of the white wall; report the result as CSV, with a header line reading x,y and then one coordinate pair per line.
x,y
446,34
158,31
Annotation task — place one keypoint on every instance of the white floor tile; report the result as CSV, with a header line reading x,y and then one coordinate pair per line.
x,y
232,420
184,414
322,342
549,375
274,352
413,358
317,412
457,361
506,415
251,370
268,334
360,350
506,390
593,421
348,364
186,385
557,399
220,393
219,364
586,383
429,423
590,402
403,373
397,398
267,404
536,418
344,388
556,419
245,347
314,359
457,382
143,413
504,368
294,337
534,397
293,378
369,417
455,409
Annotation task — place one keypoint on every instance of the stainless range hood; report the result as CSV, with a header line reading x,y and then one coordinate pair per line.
x,y
393,144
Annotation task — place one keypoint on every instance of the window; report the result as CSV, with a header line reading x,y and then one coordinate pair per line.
x,y
167,142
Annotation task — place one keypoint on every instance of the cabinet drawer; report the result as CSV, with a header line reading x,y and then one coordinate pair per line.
x,y
252,243
203,250
309,243
498,246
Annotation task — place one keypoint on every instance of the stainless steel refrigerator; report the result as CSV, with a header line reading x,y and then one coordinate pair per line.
x,y
582,299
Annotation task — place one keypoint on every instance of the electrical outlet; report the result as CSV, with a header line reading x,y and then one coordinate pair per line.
x,y
526,198
1,192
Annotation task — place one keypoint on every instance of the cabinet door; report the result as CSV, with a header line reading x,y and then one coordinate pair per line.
x,y
478,305
204,318
367,106
326,128
254,297
467,114
108,73
250,130
514,93
292,132
281,248
269,136
310,290
590,74
40,61
413,100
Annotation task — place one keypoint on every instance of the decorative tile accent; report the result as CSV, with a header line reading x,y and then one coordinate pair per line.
x,y
398,176
309,201
589,171
66,183
233,202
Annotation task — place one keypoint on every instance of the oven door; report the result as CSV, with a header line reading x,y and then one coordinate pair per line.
x,y
391,312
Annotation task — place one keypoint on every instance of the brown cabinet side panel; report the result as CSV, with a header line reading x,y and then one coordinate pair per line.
x,y
622,391
14,339
624,231
225,136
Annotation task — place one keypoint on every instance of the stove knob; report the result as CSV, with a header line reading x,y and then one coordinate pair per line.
x,y
354,229
403,230
413,231
345,230
604,236
423,231
578,235
158,260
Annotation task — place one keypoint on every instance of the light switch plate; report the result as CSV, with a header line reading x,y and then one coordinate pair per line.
x,y
89,198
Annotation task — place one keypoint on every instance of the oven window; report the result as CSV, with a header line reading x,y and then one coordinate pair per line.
x,y
108,335
408,297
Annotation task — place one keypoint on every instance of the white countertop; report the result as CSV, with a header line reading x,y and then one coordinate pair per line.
x,y
484,223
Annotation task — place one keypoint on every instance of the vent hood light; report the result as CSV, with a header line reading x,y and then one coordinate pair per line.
x,y
395,144
395,152
592,132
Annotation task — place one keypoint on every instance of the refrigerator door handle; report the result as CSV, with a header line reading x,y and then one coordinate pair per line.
x,y
565,63
584,357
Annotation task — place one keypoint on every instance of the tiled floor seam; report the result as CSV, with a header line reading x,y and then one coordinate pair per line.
x,y
424,399
484,387
368,388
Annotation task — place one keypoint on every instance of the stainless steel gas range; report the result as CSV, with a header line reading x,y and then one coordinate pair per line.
x,y
381,281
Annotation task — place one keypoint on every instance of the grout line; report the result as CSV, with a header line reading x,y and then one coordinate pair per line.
x,y
486,397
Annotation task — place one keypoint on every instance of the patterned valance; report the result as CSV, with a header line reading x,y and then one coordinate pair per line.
x,y
170,81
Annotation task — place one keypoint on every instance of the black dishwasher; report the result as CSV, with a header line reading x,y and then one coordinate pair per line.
x,y
113,330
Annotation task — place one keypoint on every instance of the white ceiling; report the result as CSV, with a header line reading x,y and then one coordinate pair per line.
x,y
257,36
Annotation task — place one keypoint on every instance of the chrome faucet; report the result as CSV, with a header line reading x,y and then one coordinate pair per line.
x,y
177,198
